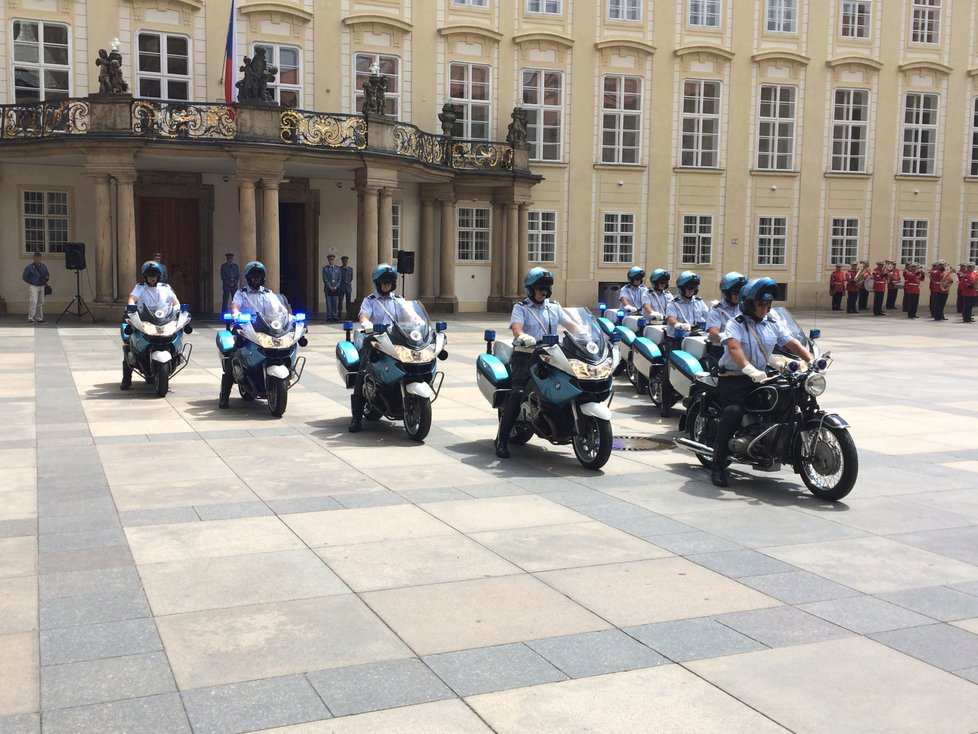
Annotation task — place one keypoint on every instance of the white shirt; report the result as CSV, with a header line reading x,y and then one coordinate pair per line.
x,y
770,330
241,298
719,315
537,321
152,296
379,309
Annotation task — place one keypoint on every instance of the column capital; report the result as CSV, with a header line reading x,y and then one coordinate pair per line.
x,y
125,177
271,183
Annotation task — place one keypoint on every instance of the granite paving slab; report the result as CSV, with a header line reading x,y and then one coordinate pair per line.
x,y
692,639
596,653
942,645
439,717
865,614
20,693
493,669
938,602
161,714
781,626
374,686
110,679
243,707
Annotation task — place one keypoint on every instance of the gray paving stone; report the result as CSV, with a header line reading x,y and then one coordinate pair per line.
x,y
96,641
230,433
609,509
488,669
231,510
798,587
73,611
158,516
577,497
161,714
693,639
81,540
93,506
782,626
20,724
369,499
100,681
596,653
942,645
84,560
686,543
303,504
959,543
494,489
938,602
18,443
434,494
175,436
113,440
18,528
121,580
377,686
739,563
75,523
865,614
258,704
968,674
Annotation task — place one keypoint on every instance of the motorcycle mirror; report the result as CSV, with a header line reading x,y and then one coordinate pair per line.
x,y
489,335
550,339
814,334
127,330
443,355
131,308
441,325
303,341
188,329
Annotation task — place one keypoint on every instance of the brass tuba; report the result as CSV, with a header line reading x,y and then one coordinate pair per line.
x,y
861,272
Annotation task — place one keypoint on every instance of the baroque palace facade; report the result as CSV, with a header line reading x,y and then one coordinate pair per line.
x,y
773,137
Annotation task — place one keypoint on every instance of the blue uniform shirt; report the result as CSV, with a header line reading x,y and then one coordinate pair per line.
x,y
635,295
152,296
659,300
241,298
537,321
719,315
690,312
379,309
331,276
771,331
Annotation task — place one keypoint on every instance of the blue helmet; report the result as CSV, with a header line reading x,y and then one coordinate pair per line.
x,y
384,273
635,272
254,274
660,276
540,278
757,289
149,267
687,279
732,283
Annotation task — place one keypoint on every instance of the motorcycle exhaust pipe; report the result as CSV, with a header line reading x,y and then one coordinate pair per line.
x,y
699,448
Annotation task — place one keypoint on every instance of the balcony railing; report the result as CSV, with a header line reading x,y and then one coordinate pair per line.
x,y
318,130
183,120
44,119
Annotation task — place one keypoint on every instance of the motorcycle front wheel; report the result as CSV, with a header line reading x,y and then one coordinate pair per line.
x,y
654,388
592,445
701,429
634,376
278,395
417,416
830,472
161,379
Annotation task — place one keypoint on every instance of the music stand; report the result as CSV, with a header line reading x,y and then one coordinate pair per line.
x,y
77,301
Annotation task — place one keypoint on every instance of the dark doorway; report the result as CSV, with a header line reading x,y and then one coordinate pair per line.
x,y
171,226
293,277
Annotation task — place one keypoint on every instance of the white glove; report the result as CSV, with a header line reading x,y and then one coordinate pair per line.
x,y
755,374
654,316
367,326
524,340
683,327
631,309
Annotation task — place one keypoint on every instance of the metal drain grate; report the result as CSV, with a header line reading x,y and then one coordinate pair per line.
x,y
641,443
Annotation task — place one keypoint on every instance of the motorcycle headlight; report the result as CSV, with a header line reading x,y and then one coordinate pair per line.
x,y
585,371
267,341
815,384
404,354
166,329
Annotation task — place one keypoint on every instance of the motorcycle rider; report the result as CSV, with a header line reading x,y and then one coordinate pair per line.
x,y
748,341
254,275
726,308
376,309
150,293
659,295
634,297
532,318
686,310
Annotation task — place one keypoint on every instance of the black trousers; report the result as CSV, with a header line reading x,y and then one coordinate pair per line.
x,y
863,299
910,302
937,309
877,303
732,392
837,301
968,308
519,374
357,401
345,295
891,294
851,298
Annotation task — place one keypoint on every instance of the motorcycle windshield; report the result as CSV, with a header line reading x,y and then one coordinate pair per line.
x,y
785,317
152,310
411,323
270,314
582,335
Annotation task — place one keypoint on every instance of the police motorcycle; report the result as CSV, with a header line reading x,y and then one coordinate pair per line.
x,y
401,380
783,423
259,351
570,382
152,343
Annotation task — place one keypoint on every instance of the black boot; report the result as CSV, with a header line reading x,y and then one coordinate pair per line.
x,y
506,422
226,382
356,410
126,377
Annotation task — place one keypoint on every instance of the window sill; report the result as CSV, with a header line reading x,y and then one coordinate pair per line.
x,y
549,164
766,172
620,166
846,174
916,177
697,169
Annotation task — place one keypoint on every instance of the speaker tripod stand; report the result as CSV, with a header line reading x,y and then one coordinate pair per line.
x,y
78,302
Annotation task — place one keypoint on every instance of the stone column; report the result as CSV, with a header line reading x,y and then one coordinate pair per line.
x,y
446,273
269,234
127,271
103,239
513,284
367,239
498,256
523,251
247,222
426,257
385,229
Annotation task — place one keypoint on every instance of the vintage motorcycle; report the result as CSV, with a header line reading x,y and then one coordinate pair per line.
x,y
152,343
570,382
401,381
783,423
259,352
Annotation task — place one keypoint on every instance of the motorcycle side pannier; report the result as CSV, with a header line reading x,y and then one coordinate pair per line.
x,y
493,379
347,362
225,342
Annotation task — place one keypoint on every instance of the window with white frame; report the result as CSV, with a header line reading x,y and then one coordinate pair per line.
x,y
925,21
473,234
395,230
469,91
844,242
618,238
700,124
920,134
40,61
542,236
974,137
913,241
776,128
287,88
697,239
390,69
472,3
543,100
973,243
624,10
782,16
704,13
621,119
855,19
45,220
163,66
850,129
772,240
549,7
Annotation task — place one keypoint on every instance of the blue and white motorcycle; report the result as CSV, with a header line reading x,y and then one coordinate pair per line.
x,y
259,352
570,383
401,381
152,343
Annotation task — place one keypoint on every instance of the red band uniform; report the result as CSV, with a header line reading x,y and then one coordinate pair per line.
x,y
837,286
911,292
879,289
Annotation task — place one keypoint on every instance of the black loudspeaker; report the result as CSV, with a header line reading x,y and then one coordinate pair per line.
x,y
405,262
75,255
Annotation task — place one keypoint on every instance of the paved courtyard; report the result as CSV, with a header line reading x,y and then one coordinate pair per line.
x,y
168,567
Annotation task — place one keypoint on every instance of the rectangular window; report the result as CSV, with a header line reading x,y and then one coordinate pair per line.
x,y
704,13
45,221
470,93
973,243
287,88
543,100
772,240
925,21
776,128
850,126
845,241
913,242
395,230
624,10
855,19
390,69
471,3
974,137
542,236
621,119
700,124
697,239
782,16
163,66
618,238
473,234
550,7
920,134
40,63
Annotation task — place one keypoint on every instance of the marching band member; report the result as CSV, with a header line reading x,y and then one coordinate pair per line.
x,y
892,281
959,301
940,285
912,276
852,288
837,286
968,282
879,288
